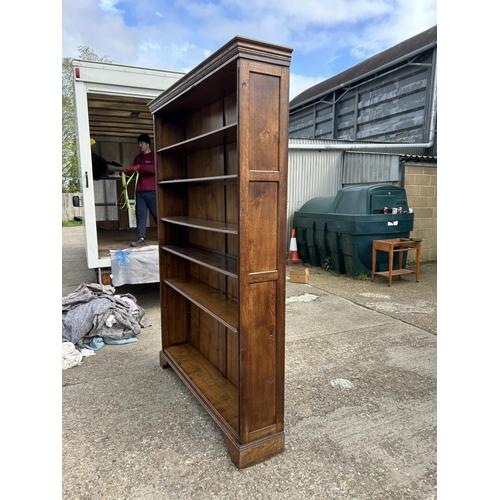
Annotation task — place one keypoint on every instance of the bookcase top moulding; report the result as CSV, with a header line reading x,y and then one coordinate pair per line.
x,y
216,70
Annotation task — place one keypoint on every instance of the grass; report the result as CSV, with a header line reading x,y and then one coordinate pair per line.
x,y
72,223
362,276
328,264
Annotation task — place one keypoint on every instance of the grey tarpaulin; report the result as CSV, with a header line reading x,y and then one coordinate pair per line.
x,y
93,310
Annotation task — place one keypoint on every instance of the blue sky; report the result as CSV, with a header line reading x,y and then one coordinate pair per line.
x,y
327,36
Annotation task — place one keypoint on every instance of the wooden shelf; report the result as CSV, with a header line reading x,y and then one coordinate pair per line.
x,y
205,141
219,179
206,382
204,258
395,272
207,298
208,225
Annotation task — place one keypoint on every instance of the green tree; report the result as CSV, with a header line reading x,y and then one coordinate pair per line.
x,y
70,174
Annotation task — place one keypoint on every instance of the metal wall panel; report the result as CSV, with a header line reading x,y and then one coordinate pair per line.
x,y
301,123
370,168
311,173
391,108
395,107
324,120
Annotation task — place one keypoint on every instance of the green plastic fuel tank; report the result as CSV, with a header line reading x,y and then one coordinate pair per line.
x,y
339,230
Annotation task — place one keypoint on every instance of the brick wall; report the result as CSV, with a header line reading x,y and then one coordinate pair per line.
x,y
421,190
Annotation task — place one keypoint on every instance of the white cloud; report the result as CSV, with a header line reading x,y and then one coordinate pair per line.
x,y
326,37
109,5
147,46
407,19
299,83
316,12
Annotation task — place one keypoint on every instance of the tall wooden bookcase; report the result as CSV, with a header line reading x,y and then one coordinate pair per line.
x,y
221,139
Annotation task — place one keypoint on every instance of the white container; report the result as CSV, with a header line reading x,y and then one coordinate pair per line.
x,y
131,214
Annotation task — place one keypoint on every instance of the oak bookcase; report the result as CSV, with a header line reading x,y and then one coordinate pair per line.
x,y
221,139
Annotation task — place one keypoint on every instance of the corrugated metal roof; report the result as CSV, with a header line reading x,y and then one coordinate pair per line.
x,y
404,151
412,46
432,159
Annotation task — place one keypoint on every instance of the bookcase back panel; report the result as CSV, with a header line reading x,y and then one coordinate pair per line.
x,y
230,109
214,241
175,266
174,168
232,245
171,132
219,345
175,318
211,278
175,233
171,202
231,158
231,203
209,337
232,288
206,163
232,357
205,120
207,202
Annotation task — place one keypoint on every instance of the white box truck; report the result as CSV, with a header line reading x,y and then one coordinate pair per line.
x,y
111,103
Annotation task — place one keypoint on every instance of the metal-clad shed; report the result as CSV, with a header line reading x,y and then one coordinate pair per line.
x,y
390,98
318,167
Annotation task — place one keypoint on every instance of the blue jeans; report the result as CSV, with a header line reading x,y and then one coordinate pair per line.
x,y
145,202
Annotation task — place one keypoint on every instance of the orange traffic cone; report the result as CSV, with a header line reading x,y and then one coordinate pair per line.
x,y
293,256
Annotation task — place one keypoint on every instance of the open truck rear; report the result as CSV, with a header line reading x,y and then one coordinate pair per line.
x,y
111,103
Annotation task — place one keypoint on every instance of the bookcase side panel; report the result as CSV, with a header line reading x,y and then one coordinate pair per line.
x,y
282,242
262,183
258,345
264,125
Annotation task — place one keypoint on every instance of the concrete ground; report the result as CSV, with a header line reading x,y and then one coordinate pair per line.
x,y
360,402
